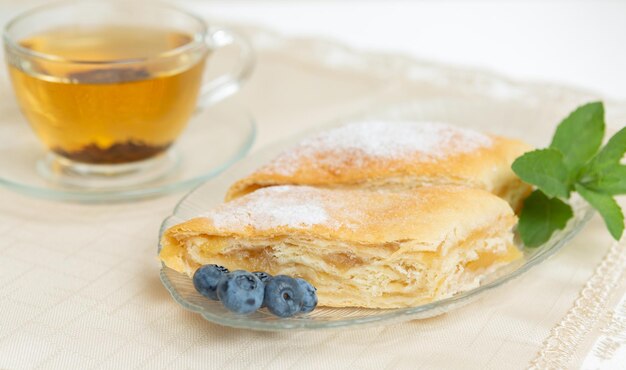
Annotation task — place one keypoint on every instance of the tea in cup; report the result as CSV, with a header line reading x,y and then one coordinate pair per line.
x,y
108,86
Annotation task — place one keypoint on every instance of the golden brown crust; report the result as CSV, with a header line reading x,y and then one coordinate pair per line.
x,y
426,214
359,248
486,167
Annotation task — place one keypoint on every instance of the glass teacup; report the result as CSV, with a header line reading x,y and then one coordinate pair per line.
x,y
108,86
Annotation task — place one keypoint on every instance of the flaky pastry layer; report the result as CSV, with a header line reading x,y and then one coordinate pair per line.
x,y
359,248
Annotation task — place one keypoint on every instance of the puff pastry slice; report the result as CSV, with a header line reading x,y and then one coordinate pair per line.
x,y
359,248
397,156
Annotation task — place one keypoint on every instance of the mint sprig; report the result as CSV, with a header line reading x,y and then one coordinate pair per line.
x,y
574,162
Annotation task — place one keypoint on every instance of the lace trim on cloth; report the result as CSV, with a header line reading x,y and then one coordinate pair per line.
x,y
560,346
609,351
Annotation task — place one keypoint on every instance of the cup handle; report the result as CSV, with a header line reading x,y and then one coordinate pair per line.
x,y
229,83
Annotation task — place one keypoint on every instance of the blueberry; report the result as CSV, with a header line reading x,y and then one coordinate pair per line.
x,y
241,291
206,278
309,299
283,296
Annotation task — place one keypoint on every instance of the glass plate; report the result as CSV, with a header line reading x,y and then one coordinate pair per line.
x,y
214,139
212,192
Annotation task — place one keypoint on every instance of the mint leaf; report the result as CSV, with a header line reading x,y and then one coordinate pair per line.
x,y
611,181
541,217
612,152
545,169
605,174
608,209
579,136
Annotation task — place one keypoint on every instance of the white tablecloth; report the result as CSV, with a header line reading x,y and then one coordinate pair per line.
x,y
79,284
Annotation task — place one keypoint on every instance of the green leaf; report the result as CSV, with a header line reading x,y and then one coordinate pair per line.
x,y
541,217
545,169
611,181
579,136
605,174
608,209
612,153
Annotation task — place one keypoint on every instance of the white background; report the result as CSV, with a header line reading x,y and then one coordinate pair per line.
x,y
575,43
569,42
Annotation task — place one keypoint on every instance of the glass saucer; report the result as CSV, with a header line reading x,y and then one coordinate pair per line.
x,y
212,192
214,139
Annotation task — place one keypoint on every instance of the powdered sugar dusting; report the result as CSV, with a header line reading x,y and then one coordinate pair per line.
x,y
278,206
383,140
